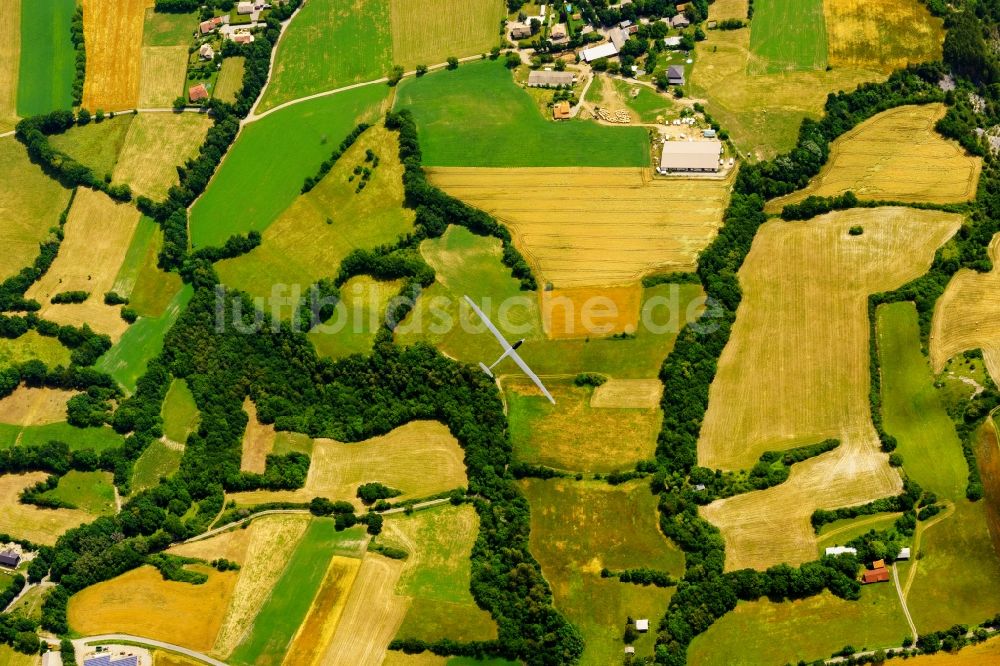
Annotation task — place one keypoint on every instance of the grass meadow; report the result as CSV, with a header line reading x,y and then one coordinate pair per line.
x,y
763,632
309,239
127,360
30,204
912,409
477,116
97,439
429,32
787,35
230,79
325,612
48,59
365,302
329,45
155,145
30,346
157,460
27,521
93,492
579,527
96,145
148,289
437,574
308,133
180,413
279,619
467,264
10,657
571,434
10,54
168,29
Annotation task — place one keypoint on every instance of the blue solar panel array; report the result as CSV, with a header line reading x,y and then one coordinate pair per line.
x,y
105,660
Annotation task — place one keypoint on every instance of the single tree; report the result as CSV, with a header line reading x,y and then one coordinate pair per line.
x,y
452,62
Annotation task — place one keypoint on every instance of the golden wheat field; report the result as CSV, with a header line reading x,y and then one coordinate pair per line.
x,y
27,521
371,617
420,458
721,10
141,603
272,541
795,371
232,545
324,613
895,156
967,316
761,112
162,75
34,406
628,394
585,227
429,32
98,232
156,144
258,441
112,32
882,36
10,60
583,312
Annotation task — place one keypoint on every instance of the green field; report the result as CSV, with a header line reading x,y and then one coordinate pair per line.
x,y
30,346
127,360
93,492
308,241
787,35
286,442
265,181
467,264
148,289
329,45
438,574
840,532
31,203
48,59
579,527
158,460
10,657
648,105
180,413
352,330
912,409
96,145
166,29
477,116
763,632
230,79
286,608
30,605
98,439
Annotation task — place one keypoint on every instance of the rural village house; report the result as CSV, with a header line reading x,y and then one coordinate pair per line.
x,y
675,75
198,93
9,558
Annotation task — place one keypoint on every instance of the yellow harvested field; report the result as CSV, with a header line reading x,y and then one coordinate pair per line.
x,y
258,441
141,603
10,61
795,371
420,458
987,652
156,144
97,236
27,521
272,541
721,10
232,545
587,227
162,75
34,406
230,79
882,36
429,32
967,316
112,32
628,393
762,112
372,616
324,614
396,658
895,156
584,312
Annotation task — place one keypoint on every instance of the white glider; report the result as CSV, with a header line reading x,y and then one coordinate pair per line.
x,y
508,350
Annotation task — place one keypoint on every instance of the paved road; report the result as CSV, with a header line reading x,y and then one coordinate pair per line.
x,y
80,644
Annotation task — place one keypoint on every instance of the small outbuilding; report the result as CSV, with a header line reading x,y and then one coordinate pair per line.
x,y
198,93
243,38
558,32
629,649
9,558
543,78
520,31
672,42
708,134
841,550
675,75
561,110
880,575
244,8
642,625
680,21
904,554
206,52
878,564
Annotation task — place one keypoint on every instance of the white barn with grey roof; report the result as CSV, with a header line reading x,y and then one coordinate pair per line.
x,y
607,50
541,79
